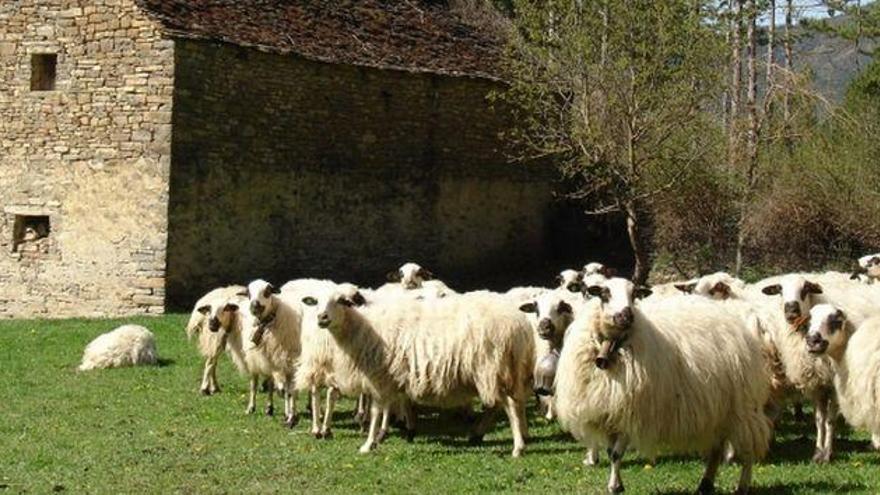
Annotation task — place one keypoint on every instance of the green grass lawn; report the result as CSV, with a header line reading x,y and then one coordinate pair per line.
x,y
147,430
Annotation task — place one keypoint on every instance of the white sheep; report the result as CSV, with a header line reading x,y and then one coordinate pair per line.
x,y
718,286
211,345
570,280
231,320
439,353
594,268
867,269
316,368
276,340
128,345
855,353
810,374
676,375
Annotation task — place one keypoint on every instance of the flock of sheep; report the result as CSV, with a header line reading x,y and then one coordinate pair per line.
x,y
717,359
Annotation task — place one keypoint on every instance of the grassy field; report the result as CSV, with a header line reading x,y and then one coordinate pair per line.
x,y
147,430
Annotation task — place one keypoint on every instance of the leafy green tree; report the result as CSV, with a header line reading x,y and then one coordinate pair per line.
x,y
619,96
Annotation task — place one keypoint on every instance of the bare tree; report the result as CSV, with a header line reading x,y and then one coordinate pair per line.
x,y
752,132
735,81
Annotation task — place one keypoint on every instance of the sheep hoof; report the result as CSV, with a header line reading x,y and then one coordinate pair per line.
x,y
270,410
367,448
318,435
380,437
410,435
618,488
250,410
590,461
517,453
475,439
205,391
291,421
707,487
821,457
327,434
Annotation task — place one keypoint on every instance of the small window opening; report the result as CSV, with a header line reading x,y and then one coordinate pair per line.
x,y
43,67
31,233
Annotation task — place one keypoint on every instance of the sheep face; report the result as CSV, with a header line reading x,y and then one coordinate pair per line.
x,y
219,315
352,293
598,269
868,265
796,294
330,307
827,332
617,297
571,280
710,286
554,316
260,294
410,276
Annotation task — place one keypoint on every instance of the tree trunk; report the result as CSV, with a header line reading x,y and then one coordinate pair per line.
x,y
752,134
636,231
735,82
771,41
789,66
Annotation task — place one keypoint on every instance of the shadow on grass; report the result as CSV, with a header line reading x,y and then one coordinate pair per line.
x,y
783,489
165,362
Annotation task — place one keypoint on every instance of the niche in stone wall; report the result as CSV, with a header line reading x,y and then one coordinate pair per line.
x,y
43,71
31,235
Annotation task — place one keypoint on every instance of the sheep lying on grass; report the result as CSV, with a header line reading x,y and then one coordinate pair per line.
x,y
676,375
128,345
211,345
438,353
855,353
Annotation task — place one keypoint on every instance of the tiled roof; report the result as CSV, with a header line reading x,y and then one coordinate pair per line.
x,y
409,35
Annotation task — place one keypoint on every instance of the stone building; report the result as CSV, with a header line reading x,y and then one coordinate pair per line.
x,y
152,149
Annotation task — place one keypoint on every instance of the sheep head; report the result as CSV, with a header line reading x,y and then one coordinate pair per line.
x,y
571,280
554,316
828,331
715,286
331,307
617,298
410,276
796,294
220,315
262,301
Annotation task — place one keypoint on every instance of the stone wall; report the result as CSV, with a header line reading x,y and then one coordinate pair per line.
x,y
93,155
287,168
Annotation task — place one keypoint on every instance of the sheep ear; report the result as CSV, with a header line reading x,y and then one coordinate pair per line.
x,y
874,261
394,276
558,279
529,307
812,288
425,274
345,301
564,307
642,292
310,301
358,299
608,272
275,290
230,307
686,288
204,309
772,290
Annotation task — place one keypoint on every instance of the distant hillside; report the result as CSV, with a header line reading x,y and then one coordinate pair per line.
x,y
834,61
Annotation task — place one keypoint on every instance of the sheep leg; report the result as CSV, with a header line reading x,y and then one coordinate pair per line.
x,y
215,387
252,395
383,430
409,418
516,415
291,418
549,412
745,479
820,404
361,413
316,411
485,423
206,377
707,484
830,416
592,457
875,441
326,432
375,413
615,452
270,402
